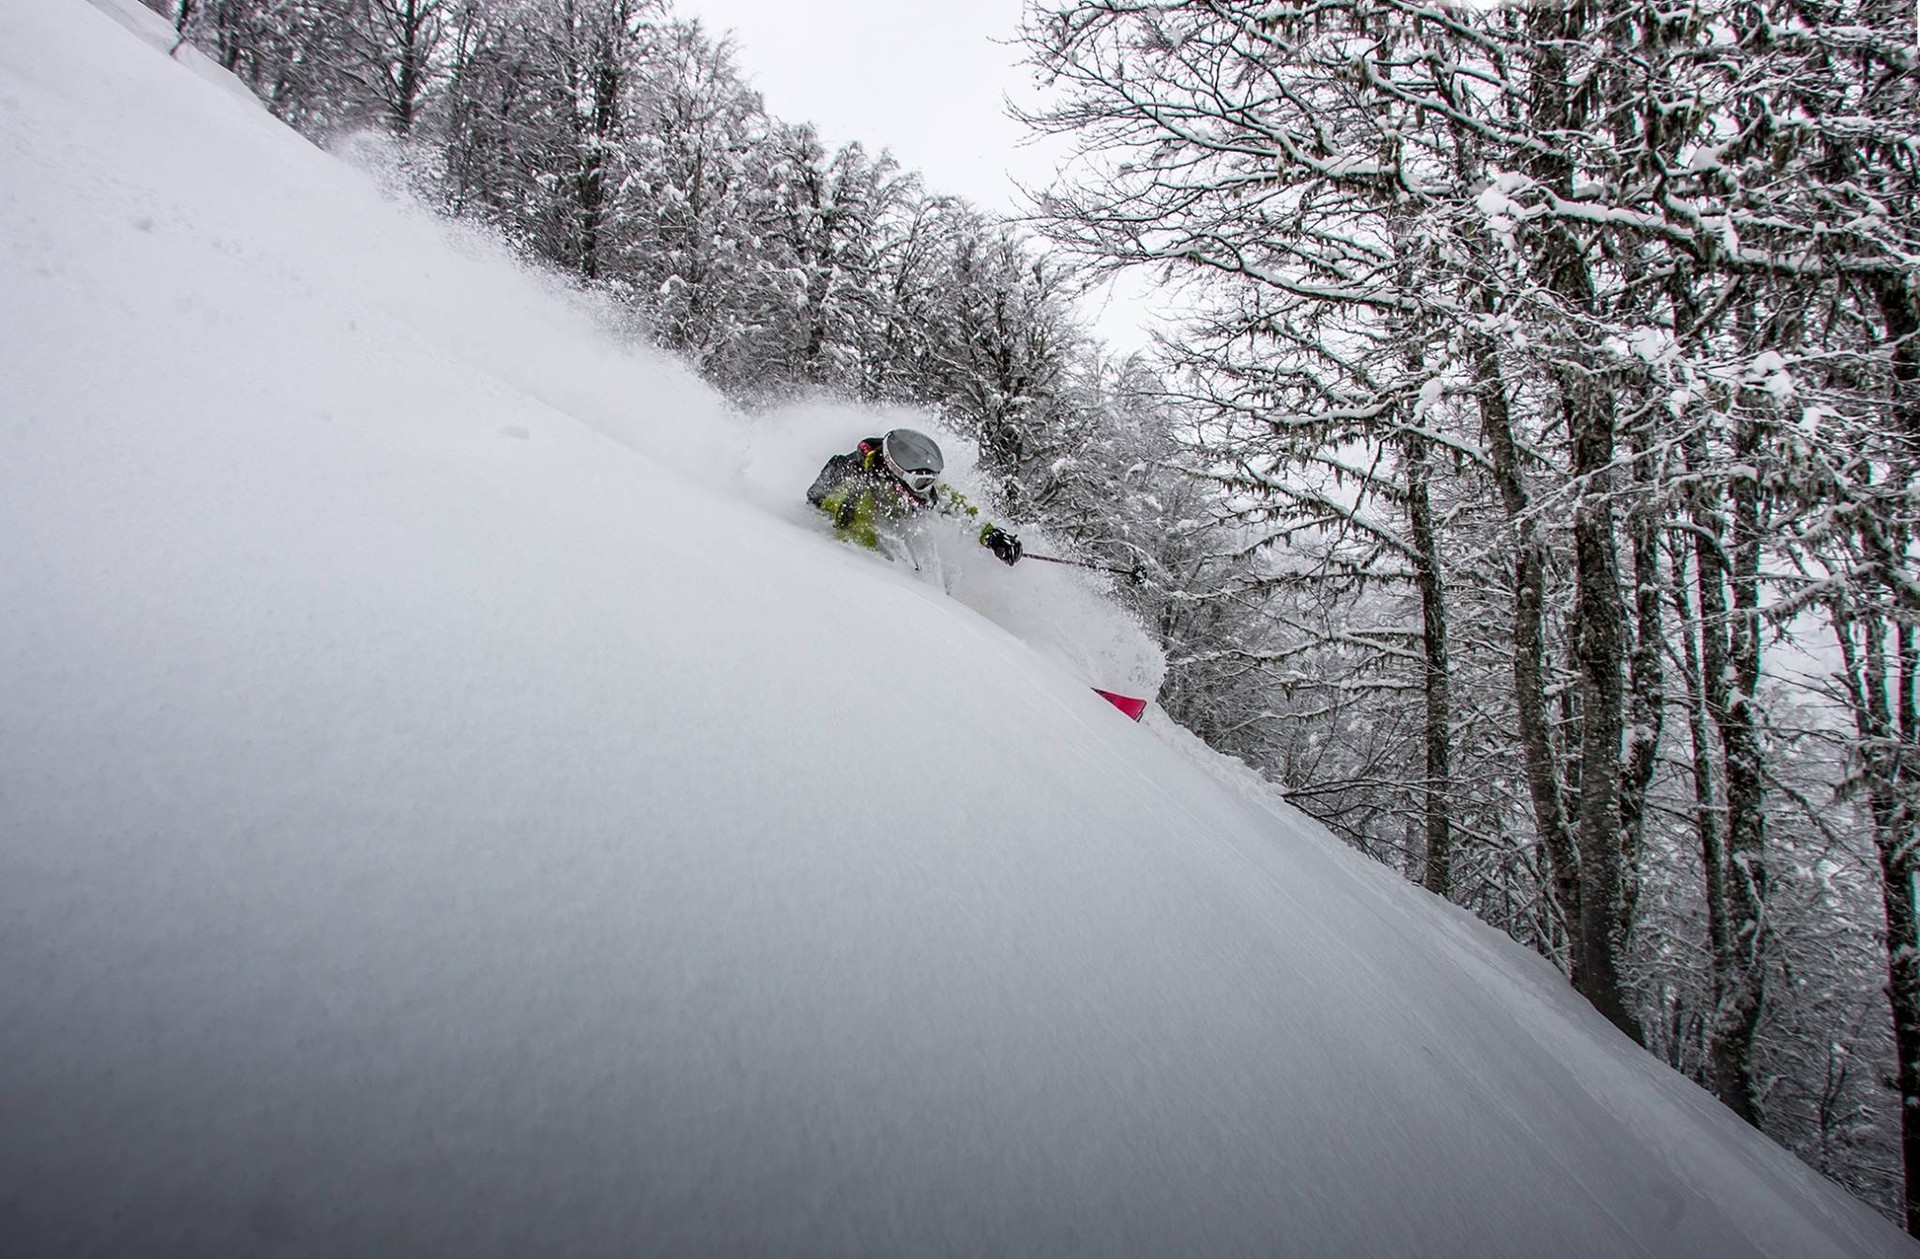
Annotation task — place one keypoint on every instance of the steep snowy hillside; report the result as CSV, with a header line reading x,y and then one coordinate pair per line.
x,y
450,804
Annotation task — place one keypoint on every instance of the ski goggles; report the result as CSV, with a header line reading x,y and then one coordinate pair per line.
x,y
920,482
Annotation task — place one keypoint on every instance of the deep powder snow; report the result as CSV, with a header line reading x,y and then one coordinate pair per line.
x,y
454,800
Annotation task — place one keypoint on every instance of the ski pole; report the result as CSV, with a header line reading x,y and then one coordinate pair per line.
x,y
1058,559
1136,573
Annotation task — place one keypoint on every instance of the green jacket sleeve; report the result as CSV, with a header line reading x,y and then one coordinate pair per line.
x,y
951,502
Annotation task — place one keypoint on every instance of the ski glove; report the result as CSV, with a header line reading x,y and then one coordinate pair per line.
x,y
1002,544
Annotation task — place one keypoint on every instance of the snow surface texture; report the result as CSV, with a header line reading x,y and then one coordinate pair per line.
x,y
437,817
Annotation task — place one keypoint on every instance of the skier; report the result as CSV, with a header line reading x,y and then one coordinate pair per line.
x,y
890,478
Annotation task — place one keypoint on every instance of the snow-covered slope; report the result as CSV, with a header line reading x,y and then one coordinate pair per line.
x,y
442,813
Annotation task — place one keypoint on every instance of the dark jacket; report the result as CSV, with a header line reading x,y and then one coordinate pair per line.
x,y
857,491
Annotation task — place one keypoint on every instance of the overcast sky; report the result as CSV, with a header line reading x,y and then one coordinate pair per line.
x,y
928,79
925,78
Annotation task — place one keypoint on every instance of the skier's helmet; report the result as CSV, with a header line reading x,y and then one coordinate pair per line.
x,y
913,457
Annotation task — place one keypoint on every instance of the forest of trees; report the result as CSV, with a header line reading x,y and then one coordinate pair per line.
x,y
1526,485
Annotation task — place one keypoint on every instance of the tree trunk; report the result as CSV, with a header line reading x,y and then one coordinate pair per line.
x,y
1600,648
1738,1017
602,120
1884,753
1529,650
1729,1041
407,75
1561,259
1438,816
1899,871
1893,751
1646,685
1706,795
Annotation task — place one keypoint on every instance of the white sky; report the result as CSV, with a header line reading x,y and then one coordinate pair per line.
x,y
928,79
925,78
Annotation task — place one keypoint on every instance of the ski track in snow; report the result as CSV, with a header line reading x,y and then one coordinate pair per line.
x,y
453,800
